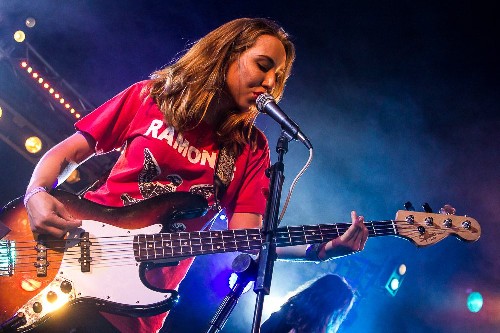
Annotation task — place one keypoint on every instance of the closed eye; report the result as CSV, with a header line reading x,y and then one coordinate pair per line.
x,y
262,68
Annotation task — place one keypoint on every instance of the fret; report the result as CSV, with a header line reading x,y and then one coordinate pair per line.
x,y
158,246
185,246
206,246
228,240
212,236
394,227
305,234
175,243
190,244
167,243
255,238
289,235
240,239
313,231
320,231
283,236
222,238
296,235
248,240
234,240
196,244
149,246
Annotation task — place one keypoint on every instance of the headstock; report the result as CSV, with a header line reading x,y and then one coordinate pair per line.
x,y
427,228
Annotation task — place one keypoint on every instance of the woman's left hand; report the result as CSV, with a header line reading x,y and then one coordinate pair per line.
x,y
353,240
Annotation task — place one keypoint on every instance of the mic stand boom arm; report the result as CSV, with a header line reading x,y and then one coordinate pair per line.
x,y
267,254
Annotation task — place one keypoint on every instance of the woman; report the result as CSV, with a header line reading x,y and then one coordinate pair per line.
x,y
316,307
173,127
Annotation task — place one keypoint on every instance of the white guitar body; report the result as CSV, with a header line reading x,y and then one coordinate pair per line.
x,y
114,280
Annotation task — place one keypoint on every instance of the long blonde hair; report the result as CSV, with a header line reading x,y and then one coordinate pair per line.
x,y
184,89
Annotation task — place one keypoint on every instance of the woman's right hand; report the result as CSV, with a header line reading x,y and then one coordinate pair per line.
x,y
48,215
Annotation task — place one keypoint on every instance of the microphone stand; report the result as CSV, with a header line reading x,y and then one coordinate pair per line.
x,y
267,254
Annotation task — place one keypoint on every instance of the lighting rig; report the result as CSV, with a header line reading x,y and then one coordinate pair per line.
x,y
38,108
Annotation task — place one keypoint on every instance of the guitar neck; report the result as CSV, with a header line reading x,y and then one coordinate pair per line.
x,y
175,246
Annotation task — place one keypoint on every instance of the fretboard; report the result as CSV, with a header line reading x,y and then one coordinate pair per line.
x,y
179,245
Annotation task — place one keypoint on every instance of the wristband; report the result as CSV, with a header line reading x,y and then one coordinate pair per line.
x,y
31,193
312,252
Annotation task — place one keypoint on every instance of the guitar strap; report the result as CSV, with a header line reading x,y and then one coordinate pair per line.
x,y
223,174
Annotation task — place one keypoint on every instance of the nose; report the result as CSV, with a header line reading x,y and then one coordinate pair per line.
x,y
269,81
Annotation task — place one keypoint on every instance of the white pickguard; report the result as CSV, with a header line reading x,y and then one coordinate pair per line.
x,y
114,273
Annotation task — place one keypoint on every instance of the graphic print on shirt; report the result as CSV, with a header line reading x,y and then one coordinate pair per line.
x,y
149,187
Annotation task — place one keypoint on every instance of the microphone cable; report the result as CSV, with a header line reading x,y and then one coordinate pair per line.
x,y
294,182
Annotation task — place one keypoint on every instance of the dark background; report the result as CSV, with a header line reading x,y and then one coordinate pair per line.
x,y
399,98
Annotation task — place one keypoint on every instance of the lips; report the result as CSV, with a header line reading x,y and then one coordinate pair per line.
x,y
257,94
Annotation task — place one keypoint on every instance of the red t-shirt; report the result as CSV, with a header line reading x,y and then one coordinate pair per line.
x,y
156,159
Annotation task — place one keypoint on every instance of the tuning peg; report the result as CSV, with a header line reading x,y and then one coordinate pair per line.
x,y
426,207
448,210
408,206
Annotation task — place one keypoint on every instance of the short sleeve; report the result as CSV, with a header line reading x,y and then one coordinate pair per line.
x,y
254,190
109,123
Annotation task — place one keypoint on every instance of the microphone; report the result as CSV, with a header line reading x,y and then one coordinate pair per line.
x,y
267,104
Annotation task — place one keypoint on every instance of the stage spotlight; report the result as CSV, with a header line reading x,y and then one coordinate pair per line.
x,y
30,22
1,112
396,279
33,144
19,36
474,302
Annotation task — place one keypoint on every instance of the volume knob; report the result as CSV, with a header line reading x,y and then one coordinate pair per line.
x,y
66,287
51,296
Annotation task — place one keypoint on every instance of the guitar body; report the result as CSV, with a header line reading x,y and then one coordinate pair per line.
x,y
94,264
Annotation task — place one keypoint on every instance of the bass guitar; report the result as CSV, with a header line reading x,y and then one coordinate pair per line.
x,y
103,262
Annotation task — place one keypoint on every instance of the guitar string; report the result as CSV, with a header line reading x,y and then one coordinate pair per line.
x,y
211,235
289,235
124,246
123,261
289,232
191,240
254,246
341,227
127,260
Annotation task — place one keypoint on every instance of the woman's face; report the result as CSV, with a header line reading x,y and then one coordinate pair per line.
x,y
255,71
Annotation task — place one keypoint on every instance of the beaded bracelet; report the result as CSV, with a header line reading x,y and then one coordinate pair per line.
x,y
31,193
312,252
